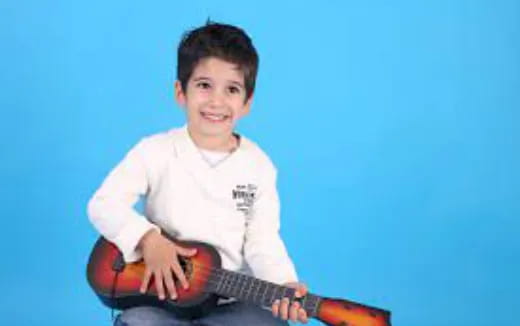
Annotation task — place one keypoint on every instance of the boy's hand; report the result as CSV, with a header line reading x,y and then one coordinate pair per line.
x,y
294,312
160,257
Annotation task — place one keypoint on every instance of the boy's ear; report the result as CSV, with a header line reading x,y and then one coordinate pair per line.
x,y
180,97
247,106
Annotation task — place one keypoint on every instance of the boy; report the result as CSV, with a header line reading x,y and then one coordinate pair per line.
x,y
201,182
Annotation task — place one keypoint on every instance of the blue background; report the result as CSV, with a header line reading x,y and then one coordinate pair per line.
x,y
394,126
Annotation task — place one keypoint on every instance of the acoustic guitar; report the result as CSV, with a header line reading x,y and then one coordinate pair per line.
x,y
117,284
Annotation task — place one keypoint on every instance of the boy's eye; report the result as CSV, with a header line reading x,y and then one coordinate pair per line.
x,y
203,85
234,90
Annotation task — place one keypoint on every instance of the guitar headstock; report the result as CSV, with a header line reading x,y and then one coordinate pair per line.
x,y
339,312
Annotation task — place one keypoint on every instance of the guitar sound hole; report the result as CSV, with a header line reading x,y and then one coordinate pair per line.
x,y
187,267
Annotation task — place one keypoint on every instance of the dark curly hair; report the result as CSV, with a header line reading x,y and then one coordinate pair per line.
x,y
226,42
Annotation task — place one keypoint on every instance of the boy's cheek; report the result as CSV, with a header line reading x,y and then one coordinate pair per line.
x,y
238,116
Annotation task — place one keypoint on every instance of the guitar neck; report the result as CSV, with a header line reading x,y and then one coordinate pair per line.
x,y
263,293
333,312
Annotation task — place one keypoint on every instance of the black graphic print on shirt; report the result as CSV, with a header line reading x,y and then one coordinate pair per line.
x,y
244,197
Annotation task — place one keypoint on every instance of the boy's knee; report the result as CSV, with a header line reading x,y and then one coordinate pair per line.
x,y
146,316
239,314
259,316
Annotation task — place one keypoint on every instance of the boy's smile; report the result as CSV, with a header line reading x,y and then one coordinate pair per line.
x,y
214,99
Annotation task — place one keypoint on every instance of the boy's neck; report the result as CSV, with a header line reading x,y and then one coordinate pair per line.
x,y
227,143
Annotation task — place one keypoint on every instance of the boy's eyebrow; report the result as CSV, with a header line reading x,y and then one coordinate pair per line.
x,y
234,82
201,78
231,81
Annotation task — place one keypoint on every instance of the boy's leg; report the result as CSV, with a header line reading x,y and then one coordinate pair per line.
x,y
240,314
149,316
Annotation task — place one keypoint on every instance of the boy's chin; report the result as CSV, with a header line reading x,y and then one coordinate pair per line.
x,y
216,130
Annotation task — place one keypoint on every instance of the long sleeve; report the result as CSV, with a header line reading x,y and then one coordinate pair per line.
x,y
264,250
111,209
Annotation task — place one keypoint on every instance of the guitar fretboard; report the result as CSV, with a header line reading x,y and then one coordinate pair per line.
x,y
253,290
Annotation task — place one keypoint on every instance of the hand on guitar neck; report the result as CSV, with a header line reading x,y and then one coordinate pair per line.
x,y
294,312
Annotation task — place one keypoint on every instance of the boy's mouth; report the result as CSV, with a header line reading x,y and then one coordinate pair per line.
x,y
213,117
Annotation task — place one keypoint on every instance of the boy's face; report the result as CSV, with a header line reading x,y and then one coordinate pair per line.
x,y
214,99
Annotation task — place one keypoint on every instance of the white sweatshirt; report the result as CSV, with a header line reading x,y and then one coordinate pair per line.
x,y
233,206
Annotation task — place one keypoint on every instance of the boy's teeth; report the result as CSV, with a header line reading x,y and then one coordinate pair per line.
x,y
214,116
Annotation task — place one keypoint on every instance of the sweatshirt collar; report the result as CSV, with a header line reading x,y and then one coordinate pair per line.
x,y
186,148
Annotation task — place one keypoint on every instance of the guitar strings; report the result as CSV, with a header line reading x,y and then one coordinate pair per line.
x,y
235,290
222,273
235,277
227,284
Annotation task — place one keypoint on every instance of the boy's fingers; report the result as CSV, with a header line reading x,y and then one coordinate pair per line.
x,y
187,252
177,269
302,316
301,290
293,311
170,284
284,309
159,286
276,308
146,280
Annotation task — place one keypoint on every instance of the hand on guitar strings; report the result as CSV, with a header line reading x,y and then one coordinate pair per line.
x,y
160,257
294,312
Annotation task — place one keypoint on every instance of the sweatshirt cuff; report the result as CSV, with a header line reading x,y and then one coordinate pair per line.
x,y
129,237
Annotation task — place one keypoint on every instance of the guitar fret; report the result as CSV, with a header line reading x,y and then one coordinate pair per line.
x,y
248,292
235,285
256,288
244,286
308,303
252,290
291,295
220,283
304,299
263,295
273,296
315,310
311,304
261,292
224,278
229,284
239,284
246,289
257,291
215,281
226,283
281,290
247,281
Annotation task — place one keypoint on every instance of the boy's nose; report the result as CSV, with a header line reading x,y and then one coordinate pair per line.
x,y
217,98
